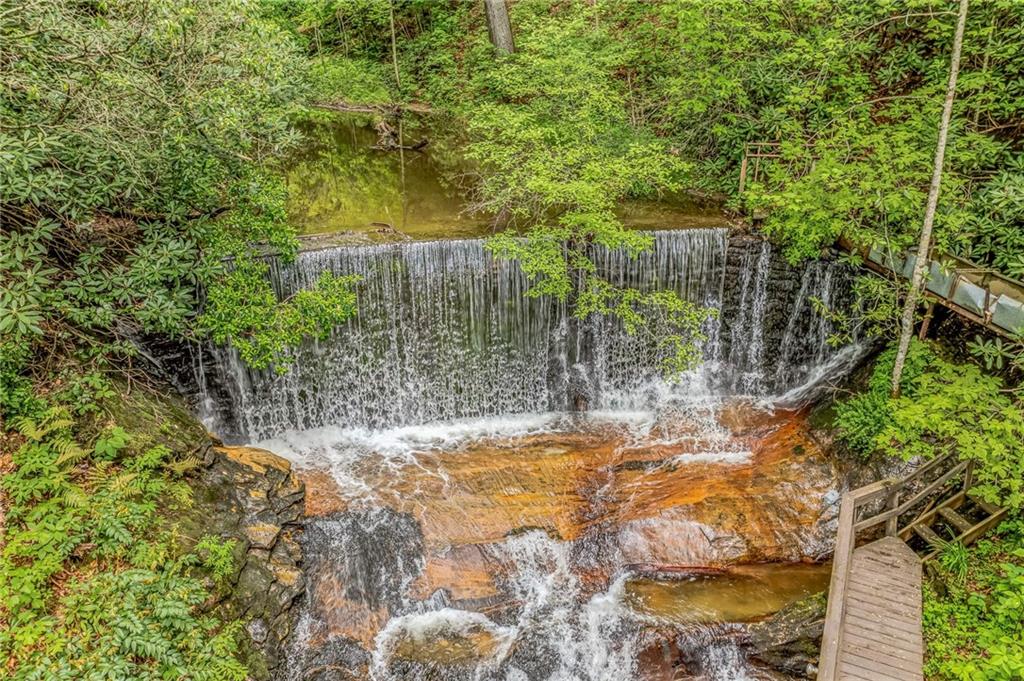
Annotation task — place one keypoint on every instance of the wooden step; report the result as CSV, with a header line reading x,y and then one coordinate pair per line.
x,y
962,524
991,509
933,540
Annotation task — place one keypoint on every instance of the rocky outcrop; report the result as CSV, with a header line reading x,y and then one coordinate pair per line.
x,y
252,497
243,494
790,640
462,529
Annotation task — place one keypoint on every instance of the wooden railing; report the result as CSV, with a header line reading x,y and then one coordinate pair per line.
x,y
755,151
851,524
991,298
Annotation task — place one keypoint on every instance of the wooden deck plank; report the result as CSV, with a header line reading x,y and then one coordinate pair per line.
x,y
881,626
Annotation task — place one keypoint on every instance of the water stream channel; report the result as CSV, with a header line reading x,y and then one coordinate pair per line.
x,y
497,490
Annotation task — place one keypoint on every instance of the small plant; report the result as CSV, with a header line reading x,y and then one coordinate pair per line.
x,y
217,556
126,607
994,353
975,630
954,558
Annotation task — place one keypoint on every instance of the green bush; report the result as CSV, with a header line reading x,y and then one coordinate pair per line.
x,y
975,629
944,407
863,417
126,181
89,587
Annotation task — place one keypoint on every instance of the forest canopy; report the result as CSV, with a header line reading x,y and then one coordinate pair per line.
x,y
851,91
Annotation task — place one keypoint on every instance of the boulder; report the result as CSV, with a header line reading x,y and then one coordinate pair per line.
x,y
790,640
252,497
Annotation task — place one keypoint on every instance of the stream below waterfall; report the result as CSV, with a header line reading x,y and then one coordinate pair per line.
x,y
496,489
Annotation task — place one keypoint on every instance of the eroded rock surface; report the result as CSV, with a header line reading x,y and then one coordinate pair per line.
x,y
440,527
252,496
790,640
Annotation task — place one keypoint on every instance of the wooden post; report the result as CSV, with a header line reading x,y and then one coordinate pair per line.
x,y
891,504
926,322
969,476
743,170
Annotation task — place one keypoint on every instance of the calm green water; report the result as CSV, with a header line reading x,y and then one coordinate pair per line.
x,y
339,184
742,594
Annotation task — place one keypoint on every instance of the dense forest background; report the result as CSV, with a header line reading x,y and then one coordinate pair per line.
x,y
140,146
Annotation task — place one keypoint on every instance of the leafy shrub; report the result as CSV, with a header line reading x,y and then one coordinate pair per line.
x,y
126,181
944,407
87,591
975,630
863,417
361,81
17,394
217,556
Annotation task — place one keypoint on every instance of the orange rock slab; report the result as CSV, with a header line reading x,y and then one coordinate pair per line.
x,y
659,508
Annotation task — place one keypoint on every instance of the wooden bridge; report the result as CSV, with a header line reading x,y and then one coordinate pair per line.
x,y
873,624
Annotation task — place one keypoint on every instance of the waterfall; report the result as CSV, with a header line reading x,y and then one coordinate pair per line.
x,y
448,349
444,331
805,347
747,339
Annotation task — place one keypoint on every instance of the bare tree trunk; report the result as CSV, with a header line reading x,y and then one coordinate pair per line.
x,y
394,46
924,245
499,26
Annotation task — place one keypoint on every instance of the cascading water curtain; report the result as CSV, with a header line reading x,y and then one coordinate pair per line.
x,y
444,331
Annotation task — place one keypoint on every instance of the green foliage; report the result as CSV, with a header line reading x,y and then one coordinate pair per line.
x,y
217,556
137,147
360,80
135,624
975,629
999,354
87,592
943,407
551,132
266,329
993,233
958,408
17,394
853,92
954,559
875,313
862,418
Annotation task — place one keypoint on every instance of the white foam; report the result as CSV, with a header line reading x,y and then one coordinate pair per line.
x,y
422,628
309,447
730,457
820,378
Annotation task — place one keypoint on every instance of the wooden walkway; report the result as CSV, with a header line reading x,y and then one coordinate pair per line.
x,y
881,639
873,623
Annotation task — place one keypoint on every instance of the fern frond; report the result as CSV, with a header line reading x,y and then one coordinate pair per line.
x,y
189,463
69,451
75,497
98,473
55,418
122,481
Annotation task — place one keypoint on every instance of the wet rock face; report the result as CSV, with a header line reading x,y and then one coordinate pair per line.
x,y
252,497
518,535
790,640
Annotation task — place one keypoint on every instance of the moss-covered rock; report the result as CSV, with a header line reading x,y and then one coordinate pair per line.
x,y
252,497
790,640
242,495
